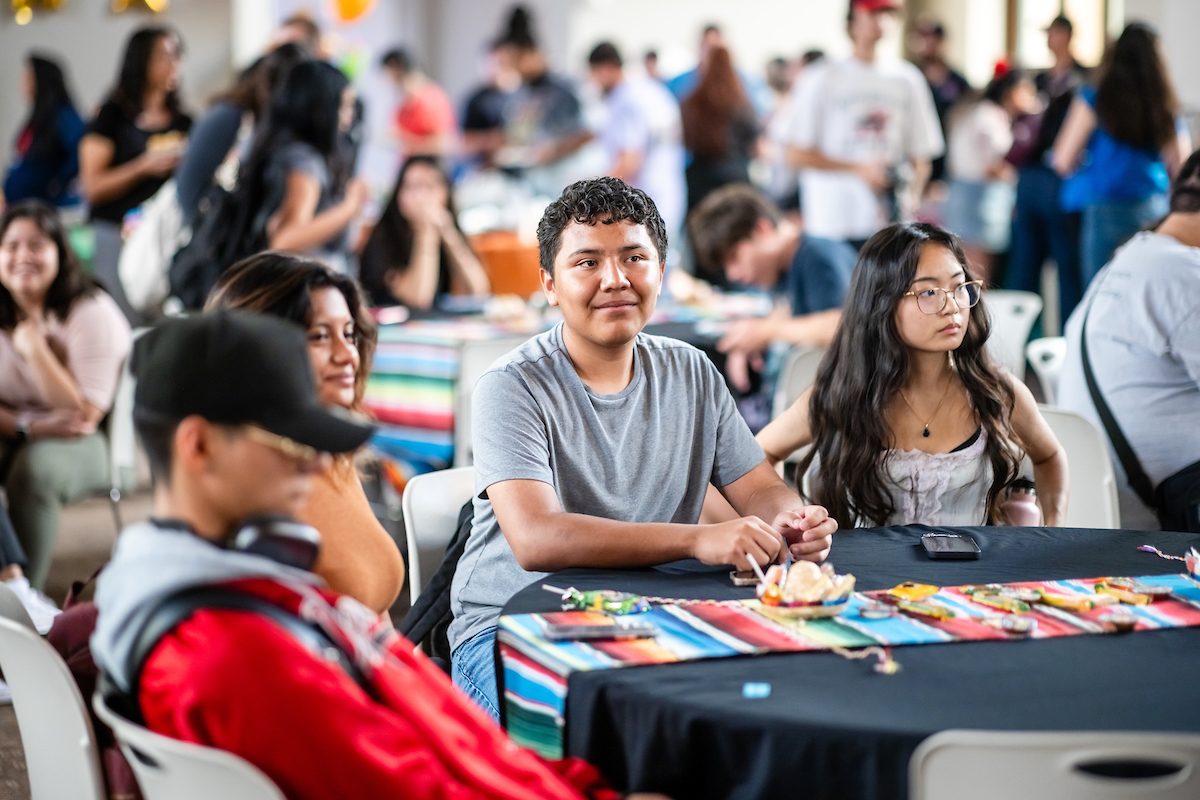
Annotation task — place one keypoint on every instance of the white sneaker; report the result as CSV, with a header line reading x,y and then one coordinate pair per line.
x,y
41,610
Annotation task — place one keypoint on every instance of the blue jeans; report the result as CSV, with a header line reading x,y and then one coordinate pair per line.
x,y
473,669
1041,229
1109,224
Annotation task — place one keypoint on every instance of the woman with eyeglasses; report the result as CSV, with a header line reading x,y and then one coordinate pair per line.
x,y
357,555
909,419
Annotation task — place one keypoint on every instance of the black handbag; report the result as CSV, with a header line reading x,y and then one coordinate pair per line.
x,y
1176,501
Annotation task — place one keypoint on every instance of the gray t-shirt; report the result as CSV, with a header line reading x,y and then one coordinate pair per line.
x,y
1144,346
644,454
304,158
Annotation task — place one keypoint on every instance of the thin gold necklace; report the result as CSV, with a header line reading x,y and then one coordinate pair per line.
x,y
933,416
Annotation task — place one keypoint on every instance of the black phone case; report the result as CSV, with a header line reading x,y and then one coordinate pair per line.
x,y
950,547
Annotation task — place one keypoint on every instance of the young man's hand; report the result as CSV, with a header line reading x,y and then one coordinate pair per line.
x,y
808,532
737,541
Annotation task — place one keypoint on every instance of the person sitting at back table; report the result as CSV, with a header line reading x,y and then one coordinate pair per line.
x,y
909,419
217,131
296,178
132,145
579,458
744,235
1144,346
45,160
62,344
358,557
416,250
360,715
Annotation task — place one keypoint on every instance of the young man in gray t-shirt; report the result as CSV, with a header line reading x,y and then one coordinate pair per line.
x,y
594,443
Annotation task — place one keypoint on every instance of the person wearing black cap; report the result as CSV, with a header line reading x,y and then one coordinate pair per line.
x,y
263,661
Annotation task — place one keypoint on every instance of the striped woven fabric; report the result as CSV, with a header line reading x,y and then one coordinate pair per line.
x,y
536,669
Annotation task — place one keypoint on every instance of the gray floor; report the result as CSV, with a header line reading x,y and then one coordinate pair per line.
x,y
84,543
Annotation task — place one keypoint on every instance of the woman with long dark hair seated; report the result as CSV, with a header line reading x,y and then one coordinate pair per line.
x,y
298,180
417,250
62,344
909,419
46,158
358,557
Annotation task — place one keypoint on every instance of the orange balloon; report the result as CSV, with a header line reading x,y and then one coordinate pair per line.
x,y
350,10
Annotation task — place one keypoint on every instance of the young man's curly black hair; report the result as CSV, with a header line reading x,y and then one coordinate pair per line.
x,y
596,201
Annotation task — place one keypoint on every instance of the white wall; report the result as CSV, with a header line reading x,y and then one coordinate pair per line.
x,y
88,41
1177,21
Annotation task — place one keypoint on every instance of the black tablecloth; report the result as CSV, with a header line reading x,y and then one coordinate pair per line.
x,y
833,728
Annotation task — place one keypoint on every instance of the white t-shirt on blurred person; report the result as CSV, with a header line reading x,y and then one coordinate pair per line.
x,y
854,111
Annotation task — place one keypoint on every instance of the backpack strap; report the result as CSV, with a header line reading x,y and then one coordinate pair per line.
x,y
1139,481
180,606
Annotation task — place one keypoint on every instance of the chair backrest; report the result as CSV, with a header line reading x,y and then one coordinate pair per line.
x,y
430,506
12,608
474,360
1046,356
798,372
61,757
168,769
1013,314
1037,765
1092,491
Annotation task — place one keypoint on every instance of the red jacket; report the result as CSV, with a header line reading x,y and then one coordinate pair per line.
x,y
239,682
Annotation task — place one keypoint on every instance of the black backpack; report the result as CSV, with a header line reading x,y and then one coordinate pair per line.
x,y
226,229
429,619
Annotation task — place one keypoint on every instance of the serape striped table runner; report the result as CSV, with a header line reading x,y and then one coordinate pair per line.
x,y
536,669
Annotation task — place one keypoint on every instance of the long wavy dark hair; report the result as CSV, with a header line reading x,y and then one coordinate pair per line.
x,y
391,241
867,365
714,106
50,96
282,285
130,92
71,282
1135,100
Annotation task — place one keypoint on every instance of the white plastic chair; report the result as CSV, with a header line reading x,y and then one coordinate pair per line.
x,y
430,506
1013,314
798,372
168,769
1046,356
1035,765
122,440
474,360
61,757
1092,488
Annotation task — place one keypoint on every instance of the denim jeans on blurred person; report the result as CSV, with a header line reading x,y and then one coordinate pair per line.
x,y
1108,225
473,669
1041,229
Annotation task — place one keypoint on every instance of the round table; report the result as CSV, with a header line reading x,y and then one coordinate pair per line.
x,y
833,728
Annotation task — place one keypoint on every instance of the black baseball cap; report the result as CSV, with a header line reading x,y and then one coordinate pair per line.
x,y
237,368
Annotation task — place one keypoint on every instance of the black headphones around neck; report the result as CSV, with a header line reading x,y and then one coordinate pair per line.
x,y
274,536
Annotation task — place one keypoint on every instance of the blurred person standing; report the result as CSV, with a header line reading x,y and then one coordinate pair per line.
x,y
864,131
946,83
46,152
484,114
424,121
720,129
132,145
544,122
642,134
1042,228
1121,142
979,205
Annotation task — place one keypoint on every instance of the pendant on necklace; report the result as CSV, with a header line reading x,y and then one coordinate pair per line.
x,y
925,432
